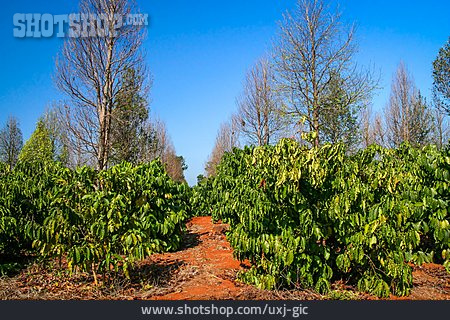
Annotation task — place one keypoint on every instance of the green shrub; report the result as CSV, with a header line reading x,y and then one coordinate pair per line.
x,y
102,220
309,216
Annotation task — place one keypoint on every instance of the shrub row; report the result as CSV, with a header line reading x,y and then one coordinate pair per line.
x,y
306,217
99,221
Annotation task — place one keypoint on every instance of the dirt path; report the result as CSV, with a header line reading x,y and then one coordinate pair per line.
x,y
210,258
430,282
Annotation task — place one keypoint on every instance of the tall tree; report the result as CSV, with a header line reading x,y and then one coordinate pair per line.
x,y
39,146
259,117
314,47
157,140
11,142
175,165
91,70
372,129
155,143
339,117
379,131
441,78
128,124
227,138
366,127
441,128
408,118
58,136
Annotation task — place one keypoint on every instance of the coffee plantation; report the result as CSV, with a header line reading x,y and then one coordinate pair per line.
x,y
302,217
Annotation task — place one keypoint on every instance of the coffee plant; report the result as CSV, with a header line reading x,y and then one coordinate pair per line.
x,y
200,198
99,221
305,217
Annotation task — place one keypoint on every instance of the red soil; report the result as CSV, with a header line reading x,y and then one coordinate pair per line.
x,y
430,282
214,262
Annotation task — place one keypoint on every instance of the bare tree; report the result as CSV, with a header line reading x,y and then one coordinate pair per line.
x,y
11,142
258,113
366,127
378,131
175,165
227,138
441,129
314,46
157,144
90,71
372,129
407,115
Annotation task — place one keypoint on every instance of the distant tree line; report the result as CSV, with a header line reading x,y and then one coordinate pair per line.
x,y
105,118
311,90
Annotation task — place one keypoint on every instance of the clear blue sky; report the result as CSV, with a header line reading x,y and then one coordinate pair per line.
x,y
199,51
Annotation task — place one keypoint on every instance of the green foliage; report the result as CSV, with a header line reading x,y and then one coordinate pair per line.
x,y
201,197
200,178
23,203
39,147
129,116
339,115
441,78
106,220
4,168
310,216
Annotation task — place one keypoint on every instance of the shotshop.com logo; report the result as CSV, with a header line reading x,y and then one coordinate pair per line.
x,y
74,25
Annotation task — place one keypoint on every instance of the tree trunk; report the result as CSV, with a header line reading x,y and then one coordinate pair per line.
x,y
316,126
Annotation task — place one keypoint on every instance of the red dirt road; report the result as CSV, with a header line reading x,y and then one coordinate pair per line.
x,y
212,258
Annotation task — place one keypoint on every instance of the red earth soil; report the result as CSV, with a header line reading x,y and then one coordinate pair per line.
x,y
212,257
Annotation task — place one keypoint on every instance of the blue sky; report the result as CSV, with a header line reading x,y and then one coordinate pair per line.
x,y
199,51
